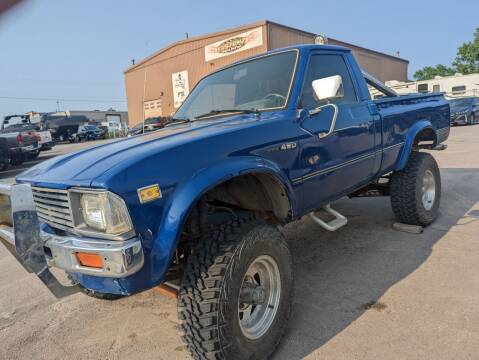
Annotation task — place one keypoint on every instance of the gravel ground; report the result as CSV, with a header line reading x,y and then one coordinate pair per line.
x,y
364,292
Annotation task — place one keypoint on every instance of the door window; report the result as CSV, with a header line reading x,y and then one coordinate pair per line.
x,y
321,66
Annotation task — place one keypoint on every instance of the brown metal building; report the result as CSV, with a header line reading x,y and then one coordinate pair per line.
x,y
156,85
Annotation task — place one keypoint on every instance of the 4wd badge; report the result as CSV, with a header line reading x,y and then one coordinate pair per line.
x,y
288,146
283,147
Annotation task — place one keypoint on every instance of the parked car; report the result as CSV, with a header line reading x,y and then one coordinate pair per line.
x,y
62,126
22,145
87,132
15,123
156,123
197,205
464,111
139,129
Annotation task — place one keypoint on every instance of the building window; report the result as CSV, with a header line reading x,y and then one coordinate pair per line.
x,y
459,90
152,108
422,88
436,88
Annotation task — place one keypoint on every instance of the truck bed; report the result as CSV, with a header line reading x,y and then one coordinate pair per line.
x,y
401,113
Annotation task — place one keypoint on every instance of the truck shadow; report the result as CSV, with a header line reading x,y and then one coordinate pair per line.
x,y
341,275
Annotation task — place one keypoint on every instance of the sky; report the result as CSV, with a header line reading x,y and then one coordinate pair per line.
x,y
70,55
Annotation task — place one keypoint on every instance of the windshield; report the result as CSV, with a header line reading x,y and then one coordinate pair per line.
x,y
461,103
90,127
15,121
258,84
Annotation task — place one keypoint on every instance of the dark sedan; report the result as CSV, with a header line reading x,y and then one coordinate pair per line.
x,y
87,132
464,111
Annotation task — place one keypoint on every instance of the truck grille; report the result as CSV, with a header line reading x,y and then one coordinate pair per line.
x,y
53,207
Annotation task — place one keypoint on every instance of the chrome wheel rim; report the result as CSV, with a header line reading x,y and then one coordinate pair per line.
x,y
259,297
428,190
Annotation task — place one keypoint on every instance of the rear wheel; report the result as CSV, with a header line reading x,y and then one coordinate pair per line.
x,y
235,298
17,159
4,161
416,190
33,155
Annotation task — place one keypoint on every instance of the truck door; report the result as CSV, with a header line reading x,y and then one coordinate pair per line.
x,y
338,152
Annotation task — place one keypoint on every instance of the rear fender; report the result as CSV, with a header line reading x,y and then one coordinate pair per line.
x,y
190,191
409,142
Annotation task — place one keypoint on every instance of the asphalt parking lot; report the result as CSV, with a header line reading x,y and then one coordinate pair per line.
x,y
366,291
59,149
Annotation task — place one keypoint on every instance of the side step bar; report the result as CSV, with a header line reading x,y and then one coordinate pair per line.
x,y
333,225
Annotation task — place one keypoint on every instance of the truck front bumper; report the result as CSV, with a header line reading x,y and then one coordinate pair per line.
x,y
39,250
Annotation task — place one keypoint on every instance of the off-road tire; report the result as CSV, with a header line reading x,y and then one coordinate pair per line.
x,y
208,297
406,190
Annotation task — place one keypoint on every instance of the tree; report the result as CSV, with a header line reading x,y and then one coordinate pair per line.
x,y
466,62
467,58
429,72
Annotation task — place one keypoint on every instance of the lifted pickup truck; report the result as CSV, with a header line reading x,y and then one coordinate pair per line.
x,y
24,123
197,204
18,146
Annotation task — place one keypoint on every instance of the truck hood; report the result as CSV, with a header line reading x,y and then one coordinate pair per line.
x,y
82,167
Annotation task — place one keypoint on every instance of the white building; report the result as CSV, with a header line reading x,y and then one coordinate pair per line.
x,y
454,86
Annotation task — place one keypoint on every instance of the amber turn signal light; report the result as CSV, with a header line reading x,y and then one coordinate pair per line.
x,y
89,260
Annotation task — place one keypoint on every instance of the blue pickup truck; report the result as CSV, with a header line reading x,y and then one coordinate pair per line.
x,y
197,205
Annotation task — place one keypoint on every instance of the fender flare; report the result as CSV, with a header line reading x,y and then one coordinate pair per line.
x,y
190,191
409,142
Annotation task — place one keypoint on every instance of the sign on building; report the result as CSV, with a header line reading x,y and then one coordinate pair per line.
x,y
234,44
153,108
180,87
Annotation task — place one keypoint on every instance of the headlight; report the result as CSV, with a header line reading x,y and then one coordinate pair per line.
x,y
100,212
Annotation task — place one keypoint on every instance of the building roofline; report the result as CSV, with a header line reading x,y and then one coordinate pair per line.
x,y
339,41
195,38
245,27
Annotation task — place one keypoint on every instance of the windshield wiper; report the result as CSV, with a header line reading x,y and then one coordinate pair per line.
x,y
222,111
175,121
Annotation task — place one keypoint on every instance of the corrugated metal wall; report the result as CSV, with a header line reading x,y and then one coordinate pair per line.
x,y
151,79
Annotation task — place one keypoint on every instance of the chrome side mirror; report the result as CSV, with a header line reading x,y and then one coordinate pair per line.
x,y
327,88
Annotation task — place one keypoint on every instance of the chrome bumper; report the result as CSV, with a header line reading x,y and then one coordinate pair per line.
x,y
37,250
120,258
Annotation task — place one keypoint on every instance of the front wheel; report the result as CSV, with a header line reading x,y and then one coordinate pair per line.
x,y
235,298
416,190
469,119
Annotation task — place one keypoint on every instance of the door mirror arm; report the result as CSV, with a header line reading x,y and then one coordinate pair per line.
x,y
333,121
